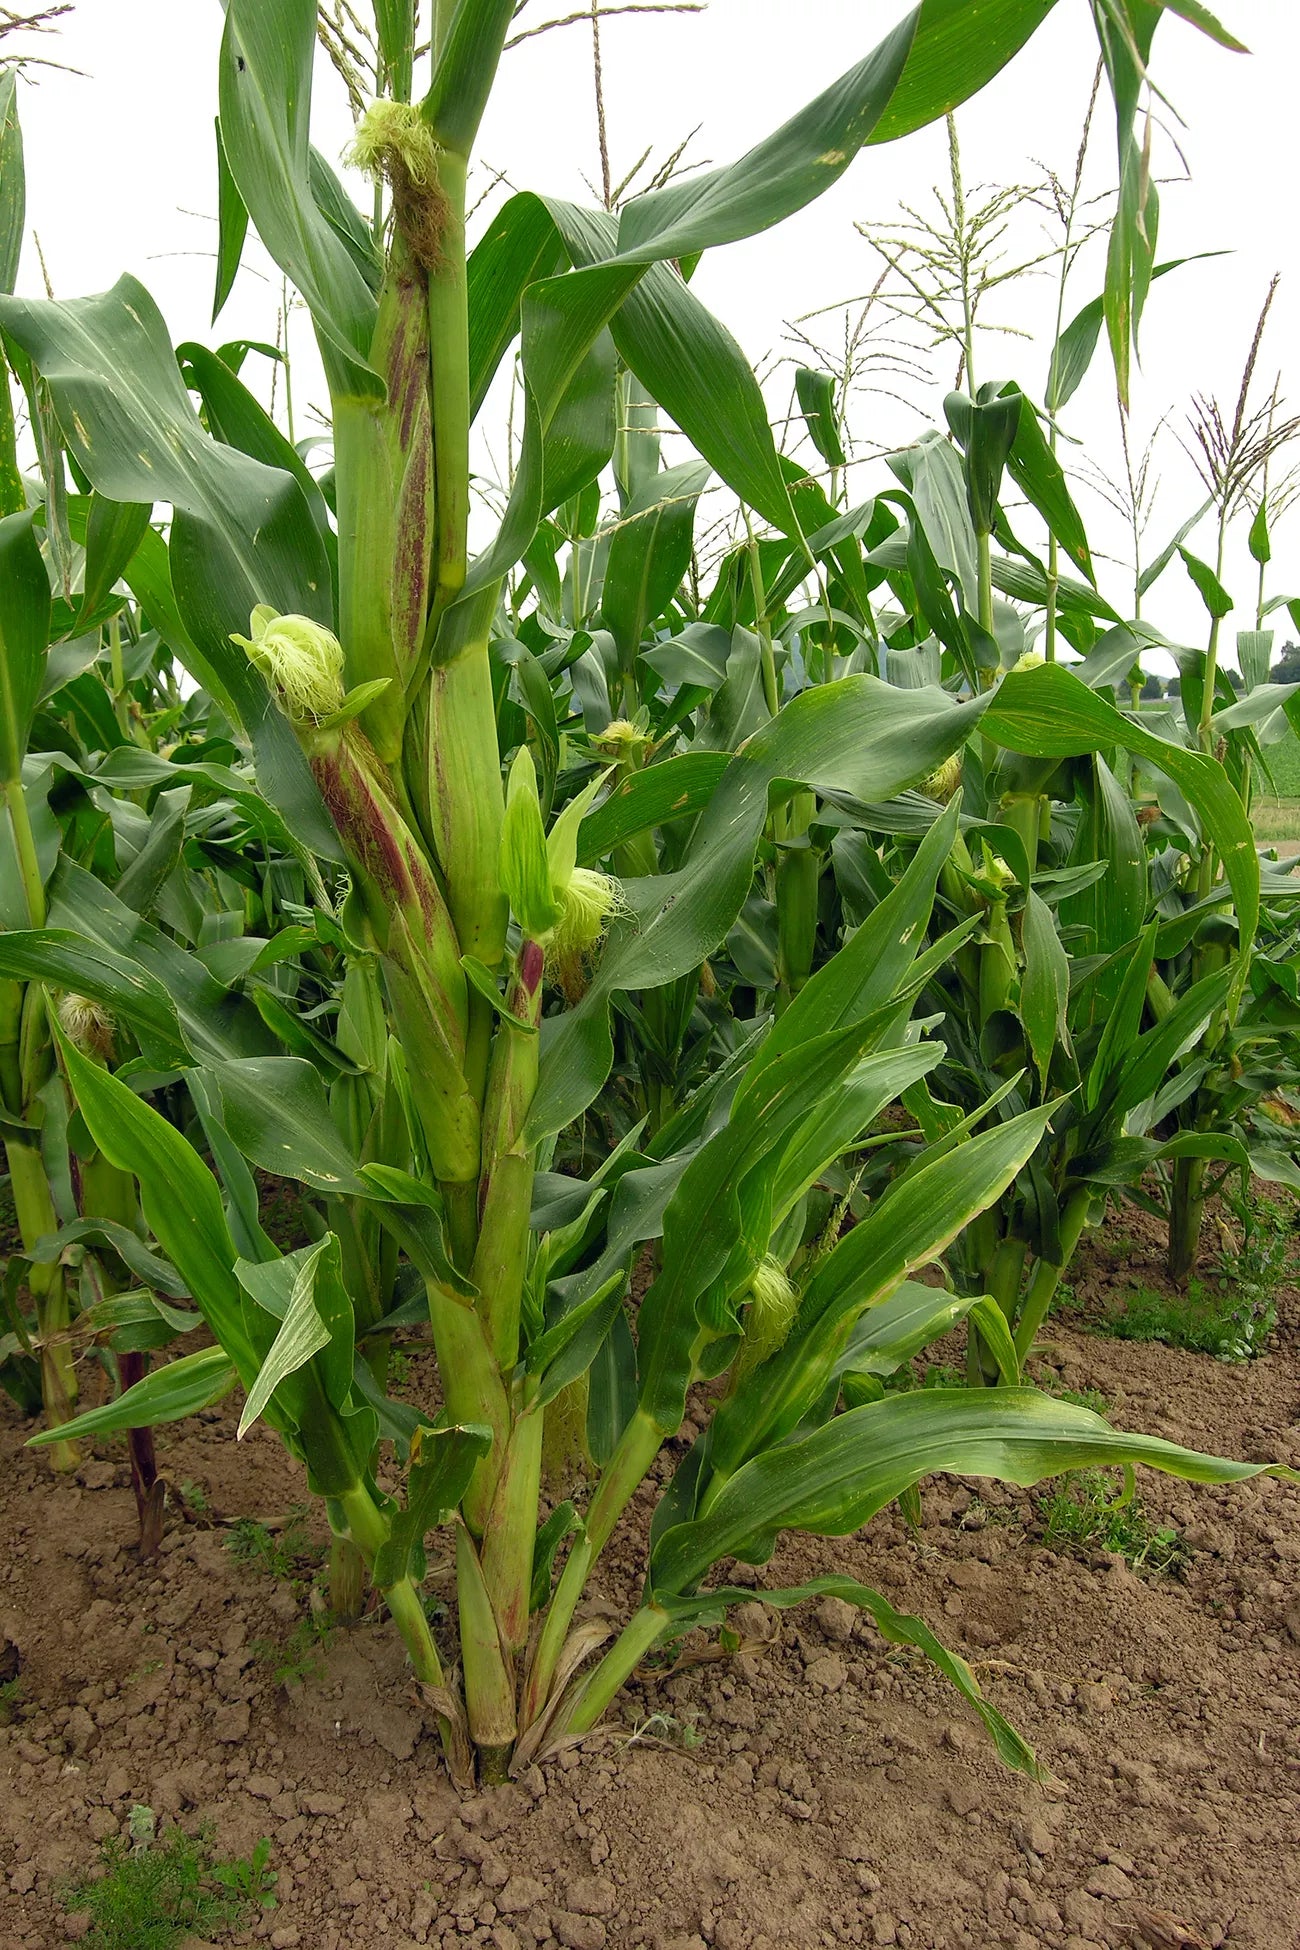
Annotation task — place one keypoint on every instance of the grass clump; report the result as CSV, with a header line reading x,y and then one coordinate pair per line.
x,y
299,1657
1086,1512
287,1554
1231,1322
11,1699
153,1893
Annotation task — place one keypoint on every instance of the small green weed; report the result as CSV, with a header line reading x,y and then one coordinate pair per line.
x,y
399,1368
936,1375
1232,1312
297,1658
1211,1318
194,1497
153,1894
1086,1512
665,1729
11,1699
1084,1398
287,1554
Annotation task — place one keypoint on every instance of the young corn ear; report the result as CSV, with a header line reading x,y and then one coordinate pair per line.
x,y
393,882
770,1307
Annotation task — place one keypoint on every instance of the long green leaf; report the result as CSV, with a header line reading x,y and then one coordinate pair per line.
x,y
856,736
178,1196
276,1111
302,1333
24,635
70,961
834,1480
903,1230
166,1394
1048,713
267,53
242,533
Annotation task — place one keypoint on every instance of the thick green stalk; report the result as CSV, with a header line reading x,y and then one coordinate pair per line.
x,y
640,1635
1186,1211
984,564
1047,1275
1023,812
409,917
555,1630
466,800
637,1448
506,1190
347,1578
798,880
365,529
368,1530
511,1530
489,1688
449,368
29,866
472,1389
1204,730
13,498
997,962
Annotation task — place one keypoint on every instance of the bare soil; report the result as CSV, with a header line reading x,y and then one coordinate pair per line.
x,y
821,1789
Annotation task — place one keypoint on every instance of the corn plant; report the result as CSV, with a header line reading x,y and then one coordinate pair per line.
x,y
484,941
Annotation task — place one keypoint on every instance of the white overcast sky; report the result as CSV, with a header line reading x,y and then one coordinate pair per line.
x,y
121,176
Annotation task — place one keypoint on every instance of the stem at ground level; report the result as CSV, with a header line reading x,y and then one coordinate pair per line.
x,y
638,1637
1186,1210
489,1687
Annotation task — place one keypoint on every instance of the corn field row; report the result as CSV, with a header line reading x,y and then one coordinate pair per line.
x,y
646,961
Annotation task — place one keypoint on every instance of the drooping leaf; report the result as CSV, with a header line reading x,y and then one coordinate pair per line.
x,y
69,961
165,1394
242,533
24,635
835,1479
276,1111
178,1196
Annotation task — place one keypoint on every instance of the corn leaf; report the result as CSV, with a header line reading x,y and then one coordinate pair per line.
x,y
857,736
835,1479
302,1333
166,1394
24,635
242,533
69,961
267,53
276,1111
232,227
899,1628
649,554
906,1228
214,1021
13,181
178,1196
442,1462
1048,713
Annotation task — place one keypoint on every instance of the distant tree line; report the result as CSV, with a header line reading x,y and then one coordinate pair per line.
x,y
1286,670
